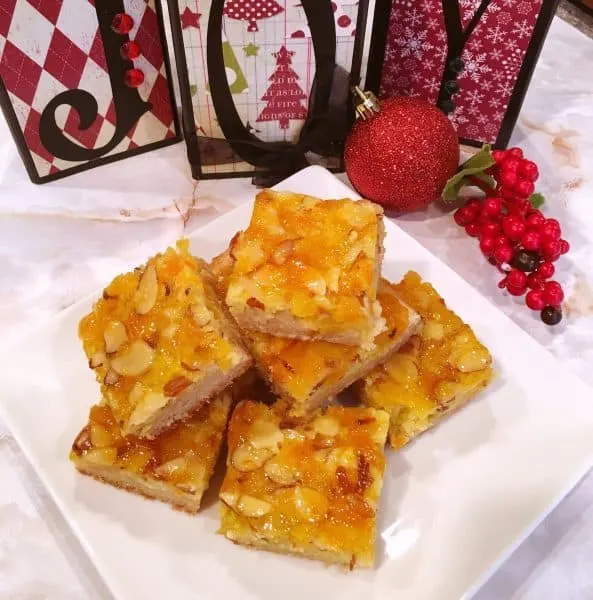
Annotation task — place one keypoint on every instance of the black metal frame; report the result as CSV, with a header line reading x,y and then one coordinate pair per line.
x,y
25,153
544,19
189,124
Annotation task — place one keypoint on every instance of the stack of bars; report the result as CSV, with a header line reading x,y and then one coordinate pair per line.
x,y
299,295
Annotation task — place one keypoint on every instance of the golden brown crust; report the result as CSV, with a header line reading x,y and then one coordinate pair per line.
x,y
160,342
309,488
436,372
307,268
187,503
175,467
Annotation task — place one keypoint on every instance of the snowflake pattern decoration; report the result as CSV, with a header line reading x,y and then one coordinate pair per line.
x,y
417,47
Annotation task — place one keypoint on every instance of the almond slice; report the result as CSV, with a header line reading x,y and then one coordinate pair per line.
x,y
115,336
147,292
250,506
101,456
111,377
282,252
266,435
310,503
326,426
173,469
473,360
100,436
135,361
279,472
229,498
151,403
98,359
176,385
247,458
202,316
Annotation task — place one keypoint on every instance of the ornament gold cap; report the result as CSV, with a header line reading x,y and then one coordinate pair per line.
x,y
367,103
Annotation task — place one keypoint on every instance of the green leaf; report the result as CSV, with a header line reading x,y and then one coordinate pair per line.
x,y
487,179
473,166
536,200
480,160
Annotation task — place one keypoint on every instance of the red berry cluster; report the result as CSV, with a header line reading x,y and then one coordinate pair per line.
x,y
516,237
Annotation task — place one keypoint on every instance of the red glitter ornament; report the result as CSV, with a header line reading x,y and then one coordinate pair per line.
x,y
402,156
133,78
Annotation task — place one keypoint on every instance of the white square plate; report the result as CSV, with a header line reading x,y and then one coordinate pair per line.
x,y
455,503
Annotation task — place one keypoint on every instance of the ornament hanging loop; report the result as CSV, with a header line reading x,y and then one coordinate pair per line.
x,y
367,103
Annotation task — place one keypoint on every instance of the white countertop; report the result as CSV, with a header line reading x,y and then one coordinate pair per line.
x,y
63,240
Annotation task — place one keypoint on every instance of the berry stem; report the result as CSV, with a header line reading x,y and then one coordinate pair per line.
x,y
482,185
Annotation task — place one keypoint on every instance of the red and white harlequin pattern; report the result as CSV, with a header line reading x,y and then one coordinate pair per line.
x,y
416,49
49,46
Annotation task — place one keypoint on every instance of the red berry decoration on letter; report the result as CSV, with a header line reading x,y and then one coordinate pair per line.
x,y
513,233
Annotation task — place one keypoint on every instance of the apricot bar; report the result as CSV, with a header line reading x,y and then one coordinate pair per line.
x,y
308,373
175,467
305,489
160,342
307,268
439,369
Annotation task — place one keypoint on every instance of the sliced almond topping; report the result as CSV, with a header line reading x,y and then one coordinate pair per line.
x,y
176,385
279,472
137,459
462,339
294,434
433,330
352,254
247,458
115,335
344,457
250,506
445,391
378,431
332,278
98,359
282,252
173,470
309,202
136,394
265,434
201,315
327,426
402,368
111,377
376,309
82,443
229,498
135,361
193,366
255,303
317,286
148,288
101,456
310,503
100,436
473,360
170,331
151,403
233,244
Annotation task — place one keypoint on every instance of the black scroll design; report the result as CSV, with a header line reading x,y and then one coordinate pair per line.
x,y
457,37
324,127
128,104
